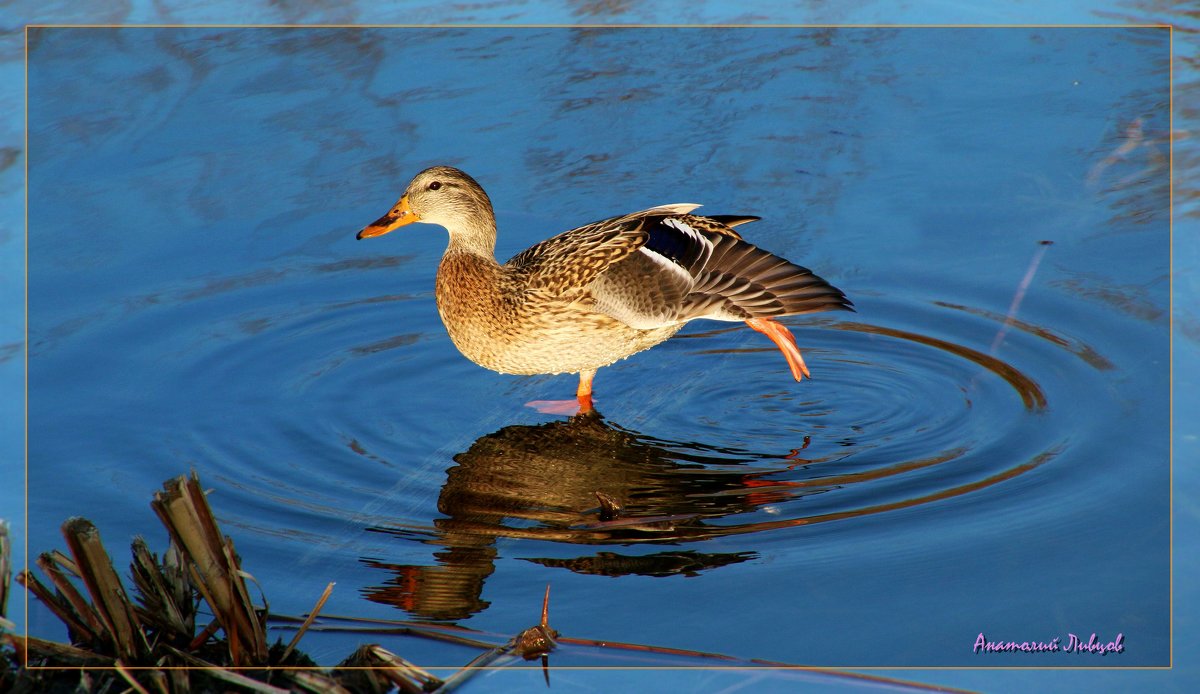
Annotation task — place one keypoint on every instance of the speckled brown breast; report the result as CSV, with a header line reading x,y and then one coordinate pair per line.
x,y
499,323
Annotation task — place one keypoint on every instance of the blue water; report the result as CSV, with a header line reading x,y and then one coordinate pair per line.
x,y
950,469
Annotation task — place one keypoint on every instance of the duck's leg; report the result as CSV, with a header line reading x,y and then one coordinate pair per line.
x,y
582,404
584,392
782,337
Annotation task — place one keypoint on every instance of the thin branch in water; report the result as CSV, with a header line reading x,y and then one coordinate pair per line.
x,y
1011,316
307,622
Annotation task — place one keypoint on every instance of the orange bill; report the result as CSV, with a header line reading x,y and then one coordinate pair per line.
x,y
400,215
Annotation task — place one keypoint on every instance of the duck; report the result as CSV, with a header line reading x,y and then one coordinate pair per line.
x,y
602,292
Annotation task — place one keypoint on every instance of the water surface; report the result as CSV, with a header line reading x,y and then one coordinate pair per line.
x,y
983,446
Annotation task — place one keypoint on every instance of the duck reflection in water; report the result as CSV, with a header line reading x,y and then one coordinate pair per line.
x,y
578,481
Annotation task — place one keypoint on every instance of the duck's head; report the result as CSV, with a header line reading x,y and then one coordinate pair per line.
x,y
440,195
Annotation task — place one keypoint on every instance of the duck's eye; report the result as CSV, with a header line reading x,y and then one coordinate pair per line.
x,y
435,185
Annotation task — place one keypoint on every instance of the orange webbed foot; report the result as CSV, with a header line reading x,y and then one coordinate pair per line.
x,y
580,405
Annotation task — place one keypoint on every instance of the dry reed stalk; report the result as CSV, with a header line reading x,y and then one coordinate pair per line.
x,y
65,562
316,682
85,616
130,679
312,615
109,598
143,645
222,674
373,668
63,655
165,592
77,626
183,509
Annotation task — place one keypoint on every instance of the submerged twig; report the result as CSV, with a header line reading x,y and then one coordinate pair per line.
x,y
432,633
535,642
1027,280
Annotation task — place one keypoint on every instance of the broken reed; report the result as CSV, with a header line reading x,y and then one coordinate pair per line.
x,y
147,642
214,568
132,640
199,558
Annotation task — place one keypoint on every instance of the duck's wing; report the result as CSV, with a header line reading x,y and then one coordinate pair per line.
x,y
570,262
691,266
647,288
742,281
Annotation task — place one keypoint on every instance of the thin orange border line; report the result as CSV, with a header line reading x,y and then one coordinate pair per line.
x,y
1171,339
839,669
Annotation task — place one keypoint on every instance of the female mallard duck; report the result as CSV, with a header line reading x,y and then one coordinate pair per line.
x,y
597,294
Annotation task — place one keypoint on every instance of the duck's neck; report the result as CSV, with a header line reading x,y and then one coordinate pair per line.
x,y
474,234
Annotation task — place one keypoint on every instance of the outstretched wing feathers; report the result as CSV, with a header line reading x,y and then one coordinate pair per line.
x,y
664,266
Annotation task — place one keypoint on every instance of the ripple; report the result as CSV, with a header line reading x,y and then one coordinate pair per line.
x,y
347,413
896,418
1031,395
